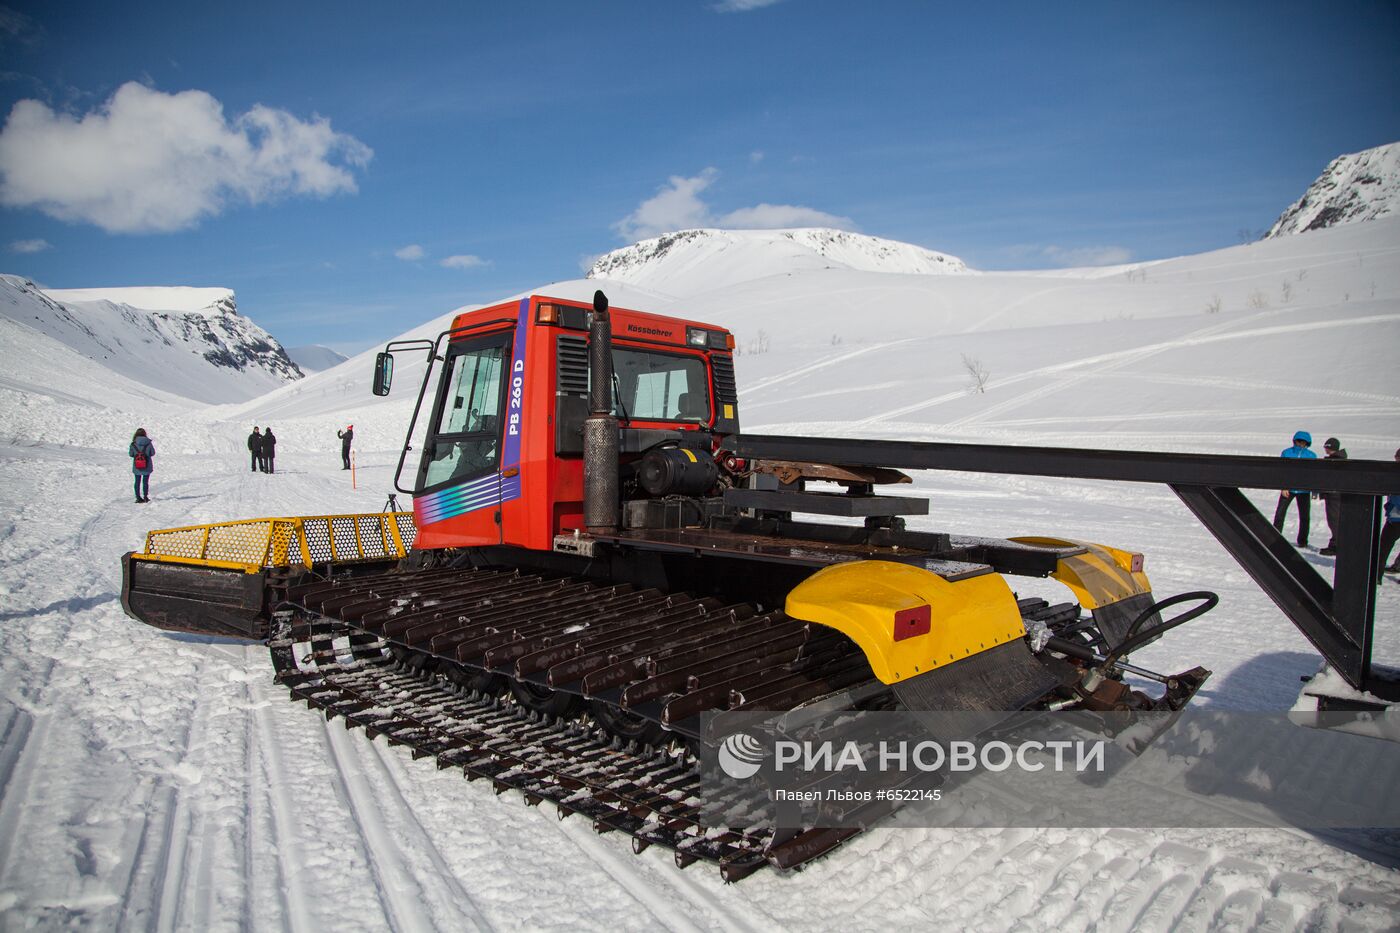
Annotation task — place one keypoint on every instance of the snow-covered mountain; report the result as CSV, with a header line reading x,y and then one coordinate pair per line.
x,y
315,358
190,342
1360,186
691,261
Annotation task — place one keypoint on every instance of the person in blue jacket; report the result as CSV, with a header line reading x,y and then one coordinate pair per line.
x,y
143,454
1299,451
1390,531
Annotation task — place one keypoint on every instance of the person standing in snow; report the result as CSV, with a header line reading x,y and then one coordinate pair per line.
x,y
255,450
1390,532
142,453
345,438
1299,451
269,450
1332,501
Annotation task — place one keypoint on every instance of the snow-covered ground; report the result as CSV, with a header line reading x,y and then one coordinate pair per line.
x,y
154,781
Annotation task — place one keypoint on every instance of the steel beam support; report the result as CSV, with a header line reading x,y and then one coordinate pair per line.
x,y
1370,477
1281,572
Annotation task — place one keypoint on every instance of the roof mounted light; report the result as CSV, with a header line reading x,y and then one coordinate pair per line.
x,y
710,339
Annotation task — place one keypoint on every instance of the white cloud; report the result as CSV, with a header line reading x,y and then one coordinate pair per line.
x,y
677,205
409,253
742,6
779,216
146,161
464,262
756,156
30,246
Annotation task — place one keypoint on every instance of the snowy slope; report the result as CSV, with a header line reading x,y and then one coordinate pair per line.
x,y
693,261
188,341
1356,187
315,358
153,781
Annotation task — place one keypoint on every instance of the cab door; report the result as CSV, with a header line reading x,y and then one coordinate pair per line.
x,y
459,487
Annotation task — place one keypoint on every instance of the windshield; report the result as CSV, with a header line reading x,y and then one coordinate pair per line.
x,y
661,386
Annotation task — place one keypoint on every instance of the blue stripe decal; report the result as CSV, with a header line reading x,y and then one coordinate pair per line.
x,y
459,499
479,494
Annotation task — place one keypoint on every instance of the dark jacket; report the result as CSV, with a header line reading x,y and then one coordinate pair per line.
x,y
1333,499
255,442
269,444
345,437
145,446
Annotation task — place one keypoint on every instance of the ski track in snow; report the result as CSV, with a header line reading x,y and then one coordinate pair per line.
x,y
1104,362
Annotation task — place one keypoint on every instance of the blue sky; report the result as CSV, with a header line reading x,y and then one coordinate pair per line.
x,y
352,169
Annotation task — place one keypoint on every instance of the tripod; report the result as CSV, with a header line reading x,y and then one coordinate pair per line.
x,y
391,504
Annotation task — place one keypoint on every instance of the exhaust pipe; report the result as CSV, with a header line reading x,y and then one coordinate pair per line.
x,y
601,496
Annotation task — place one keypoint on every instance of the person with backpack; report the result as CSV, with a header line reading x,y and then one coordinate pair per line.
x,y
345,437
142,453
269,450
255,450
1302,440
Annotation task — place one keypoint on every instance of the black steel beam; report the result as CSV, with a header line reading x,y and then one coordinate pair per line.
x,y
1366,477
1289,580
1357,545
825,503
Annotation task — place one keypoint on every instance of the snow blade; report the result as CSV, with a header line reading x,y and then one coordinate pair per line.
x,y
197,600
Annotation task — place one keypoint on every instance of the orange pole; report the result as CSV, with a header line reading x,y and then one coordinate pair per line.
x,y
352,470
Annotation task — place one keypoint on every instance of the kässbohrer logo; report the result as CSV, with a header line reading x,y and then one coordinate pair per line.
x,y
653,331
740,755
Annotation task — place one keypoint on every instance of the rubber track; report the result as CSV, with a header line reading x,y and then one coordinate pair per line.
x,y
670,657
667,657
652,795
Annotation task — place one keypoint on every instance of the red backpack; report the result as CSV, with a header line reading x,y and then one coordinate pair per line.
x,y
141,462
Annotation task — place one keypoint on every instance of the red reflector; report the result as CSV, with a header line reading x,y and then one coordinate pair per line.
x,y
1136,563
911,622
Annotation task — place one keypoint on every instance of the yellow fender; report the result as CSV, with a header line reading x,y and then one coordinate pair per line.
x,y
1099,577
906,619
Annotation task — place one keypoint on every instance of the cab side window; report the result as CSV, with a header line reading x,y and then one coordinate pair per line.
x,y
661,386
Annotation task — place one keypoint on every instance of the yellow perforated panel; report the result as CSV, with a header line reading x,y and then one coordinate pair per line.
x,y
256,543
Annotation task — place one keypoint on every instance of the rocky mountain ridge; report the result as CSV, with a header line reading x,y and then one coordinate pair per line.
x,y
1356,187
210,353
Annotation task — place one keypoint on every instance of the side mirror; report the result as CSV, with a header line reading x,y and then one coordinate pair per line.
x,y
383,373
